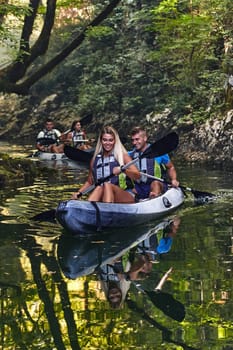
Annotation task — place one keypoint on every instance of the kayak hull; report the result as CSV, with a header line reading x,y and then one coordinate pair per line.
x,y
56,160
84,216
51,156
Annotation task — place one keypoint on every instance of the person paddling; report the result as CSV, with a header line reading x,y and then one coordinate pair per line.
x,y
48,138
146,187
76,137
110,155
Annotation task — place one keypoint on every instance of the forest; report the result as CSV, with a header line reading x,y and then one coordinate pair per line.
x,y
120,60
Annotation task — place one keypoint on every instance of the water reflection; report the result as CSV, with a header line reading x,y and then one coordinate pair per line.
x,y
41,307
117,259
37,309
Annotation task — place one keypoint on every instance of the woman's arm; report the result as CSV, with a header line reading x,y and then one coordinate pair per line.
x,y
87,184
132,171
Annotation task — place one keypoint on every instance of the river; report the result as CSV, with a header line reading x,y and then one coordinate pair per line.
x,y
53,286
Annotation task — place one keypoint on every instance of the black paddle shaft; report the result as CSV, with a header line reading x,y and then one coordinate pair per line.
x,y
165,302
200,196
78,154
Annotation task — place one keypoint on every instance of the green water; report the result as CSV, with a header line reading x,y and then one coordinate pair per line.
x,y
43,309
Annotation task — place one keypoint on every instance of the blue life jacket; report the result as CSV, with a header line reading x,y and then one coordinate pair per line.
x,y
103,166
146,165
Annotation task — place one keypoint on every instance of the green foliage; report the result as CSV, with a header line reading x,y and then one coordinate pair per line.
x,y
145,58
100,32
15,14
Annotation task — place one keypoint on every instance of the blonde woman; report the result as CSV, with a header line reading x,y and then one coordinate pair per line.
x,y
108,158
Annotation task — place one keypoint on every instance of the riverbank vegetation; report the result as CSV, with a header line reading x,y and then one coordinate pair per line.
x,y
166,64
18,171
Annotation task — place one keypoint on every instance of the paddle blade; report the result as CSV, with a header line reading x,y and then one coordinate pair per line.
x,y
203,197
78,154
164,145
166,303
48,215
200,197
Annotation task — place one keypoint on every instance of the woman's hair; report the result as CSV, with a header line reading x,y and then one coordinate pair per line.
x,y
115,302
118,149
74,123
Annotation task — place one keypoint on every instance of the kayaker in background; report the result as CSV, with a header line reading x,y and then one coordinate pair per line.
x,y
48,138
146,187
76,137
108,158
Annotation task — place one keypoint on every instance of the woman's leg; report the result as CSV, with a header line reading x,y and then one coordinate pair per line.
x,y
97,194
115,194
108,193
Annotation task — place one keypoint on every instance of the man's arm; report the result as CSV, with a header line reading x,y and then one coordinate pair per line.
x,y
172,174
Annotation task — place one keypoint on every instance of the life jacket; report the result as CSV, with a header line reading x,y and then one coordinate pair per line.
x,y
77,138
103,167
148,246
146,165
50,135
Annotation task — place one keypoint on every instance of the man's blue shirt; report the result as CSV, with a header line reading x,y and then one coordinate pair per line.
x,y
164,159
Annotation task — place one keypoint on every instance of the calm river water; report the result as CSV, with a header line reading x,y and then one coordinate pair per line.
x,y
53,286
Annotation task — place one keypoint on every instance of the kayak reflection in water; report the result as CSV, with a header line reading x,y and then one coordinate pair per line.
x,y
160,243
115,278
135,265
118,260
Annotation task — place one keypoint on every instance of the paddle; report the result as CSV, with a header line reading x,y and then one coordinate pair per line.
x,y
166,333
200,197
78,154
164,145
87,119
164,301
156,149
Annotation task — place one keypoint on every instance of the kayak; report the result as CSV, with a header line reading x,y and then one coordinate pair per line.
x,y
59,160
51,156
83,216
71,153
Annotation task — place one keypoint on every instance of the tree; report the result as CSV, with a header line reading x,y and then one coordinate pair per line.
x,y
22,73
191,38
